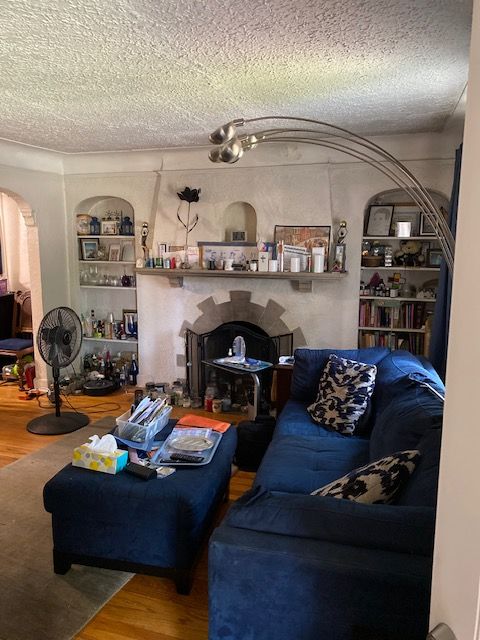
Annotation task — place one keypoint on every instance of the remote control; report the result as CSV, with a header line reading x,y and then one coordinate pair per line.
x,y
185,457
139,470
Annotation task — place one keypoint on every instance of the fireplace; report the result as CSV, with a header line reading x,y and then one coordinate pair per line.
x,y
215,344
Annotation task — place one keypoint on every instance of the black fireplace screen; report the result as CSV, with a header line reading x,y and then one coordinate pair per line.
x,y
216,343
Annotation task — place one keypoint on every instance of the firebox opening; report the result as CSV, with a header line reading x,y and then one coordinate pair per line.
x,y
234,389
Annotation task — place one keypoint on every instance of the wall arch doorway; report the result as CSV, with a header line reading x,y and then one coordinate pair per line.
x,y
21,250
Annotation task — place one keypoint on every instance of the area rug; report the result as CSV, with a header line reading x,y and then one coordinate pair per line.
x,y
35,603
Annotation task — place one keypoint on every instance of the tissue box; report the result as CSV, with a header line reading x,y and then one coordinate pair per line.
x,y
105,462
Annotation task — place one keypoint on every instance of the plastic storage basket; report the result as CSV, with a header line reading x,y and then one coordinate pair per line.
x,y
140,436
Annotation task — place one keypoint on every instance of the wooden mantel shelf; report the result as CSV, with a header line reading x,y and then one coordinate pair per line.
x,y
304,281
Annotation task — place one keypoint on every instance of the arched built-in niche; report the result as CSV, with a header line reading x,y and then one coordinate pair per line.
x,y
399,196
240,216
99,206
398,289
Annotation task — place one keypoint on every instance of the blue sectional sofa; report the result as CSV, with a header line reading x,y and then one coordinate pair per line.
x,y
291,566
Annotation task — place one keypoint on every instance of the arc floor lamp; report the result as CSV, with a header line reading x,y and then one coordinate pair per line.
x,y
230,146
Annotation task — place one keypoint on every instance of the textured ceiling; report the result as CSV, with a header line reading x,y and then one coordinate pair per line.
x,y
91,75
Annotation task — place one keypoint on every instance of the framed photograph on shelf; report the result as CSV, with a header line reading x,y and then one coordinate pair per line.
x,y
130,322
89,249
426,228
379,220
114,253
109,228
406,213
434,257
304,236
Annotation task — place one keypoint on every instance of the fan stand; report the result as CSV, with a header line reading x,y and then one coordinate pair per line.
x,y
56,424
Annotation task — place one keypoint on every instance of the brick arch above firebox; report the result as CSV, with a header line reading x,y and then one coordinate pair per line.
x,y
240,308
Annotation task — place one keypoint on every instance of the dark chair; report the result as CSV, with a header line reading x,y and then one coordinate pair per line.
x,y
21,342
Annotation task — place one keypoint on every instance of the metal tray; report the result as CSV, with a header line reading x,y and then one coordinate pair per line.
x,y
166,450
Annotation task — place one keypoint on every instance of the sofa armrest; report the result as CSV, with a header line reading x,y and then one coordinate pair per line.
x,y
397,528
264,586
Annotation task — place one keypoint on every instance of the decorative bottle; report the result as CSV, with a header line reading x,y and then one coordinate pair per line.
x,y
108,367
95,226
133,371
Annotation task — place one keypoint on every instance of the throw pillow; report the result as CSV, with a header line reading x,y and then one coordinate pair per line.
x,y
343,393
375,483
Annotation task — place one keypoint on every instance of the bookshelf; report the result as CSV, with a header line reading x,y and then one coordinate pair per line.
x,y
397,297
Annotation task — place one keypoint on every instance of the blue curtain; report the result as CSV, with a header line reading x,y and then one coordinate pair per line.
x,y
441,320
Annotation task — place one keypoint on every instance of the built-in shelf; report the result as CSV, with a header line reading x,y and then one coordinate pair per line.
x,y
397,298
392,329
111,262
400,268
303,279
127,341
424,238
99,286
110,236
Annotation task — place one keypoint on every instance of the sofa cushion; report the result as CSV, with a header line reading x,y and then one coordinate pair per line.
x,y
302,464
400,367
421,489
309,364
411,412
294,420
374,483
344,390
404,529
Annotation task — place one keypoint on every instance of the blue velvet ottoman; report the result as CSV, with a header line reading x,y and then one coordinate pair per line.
x,y
125,523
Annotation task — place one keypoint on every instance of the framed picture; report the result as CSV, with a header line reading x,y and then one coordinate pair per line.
x,y
114,253
434,257
303,236
239,252
130,322
109,228
426,228
339,260
379,220
406,213
89,249
238,236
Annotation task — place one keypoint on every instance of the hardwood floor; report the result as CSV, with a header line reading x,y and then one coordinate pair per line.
x,y
147,608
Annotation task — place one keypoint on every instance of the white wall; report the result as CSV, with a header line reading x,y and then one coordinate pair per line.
x,y
43,194
14,245
455,593
287,185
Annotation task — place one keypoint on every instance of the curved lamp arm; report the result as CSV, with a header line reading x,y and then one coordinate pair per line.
x,y
230,147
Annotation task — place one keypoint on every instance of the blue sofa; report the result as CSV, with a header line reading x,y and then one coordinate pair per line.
x,y
291,566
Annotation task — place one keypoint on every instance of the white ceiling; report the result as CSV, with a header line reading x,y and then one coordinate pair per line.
x,y
92,75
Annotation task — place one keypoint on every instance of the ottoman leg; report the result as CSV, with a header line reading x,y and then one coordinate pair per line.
x,y
183,581
60,563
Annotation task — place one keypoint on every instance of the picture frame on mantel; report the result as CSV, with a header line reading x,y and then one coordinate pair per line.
x,y
239,252
379,220
305,236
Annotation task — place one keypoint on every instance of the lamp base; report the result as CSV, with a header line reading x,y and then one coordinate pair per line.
x,y
52,425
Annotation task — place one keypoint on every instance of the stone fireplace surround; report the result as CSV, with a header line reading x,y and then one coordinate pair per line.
x,y
165,313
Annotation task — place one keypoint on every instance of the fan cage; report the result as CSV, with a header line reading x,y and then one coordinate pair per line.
x,y
59,337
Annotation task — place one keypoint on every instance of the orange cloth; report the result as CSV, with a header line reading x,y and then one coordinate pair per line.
x,y
190,420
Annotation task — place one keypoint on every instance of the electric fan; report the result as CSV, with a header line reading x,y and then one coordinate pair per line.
x,y
59,339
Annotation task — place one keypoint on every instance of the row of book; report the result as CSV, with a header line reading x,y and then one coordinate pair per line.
x,y
407,315
413,342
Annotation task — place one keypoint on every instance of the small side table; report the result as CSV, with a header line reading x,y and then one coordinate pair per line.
x,y
241,370
282,381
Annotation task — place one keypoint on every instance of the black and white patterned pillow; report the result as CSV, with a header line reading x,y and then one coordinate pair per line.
x,y
375,483
343,392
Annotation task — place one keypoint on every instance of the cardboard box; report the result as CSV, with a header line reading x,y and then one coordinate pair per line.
x,y
105,462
